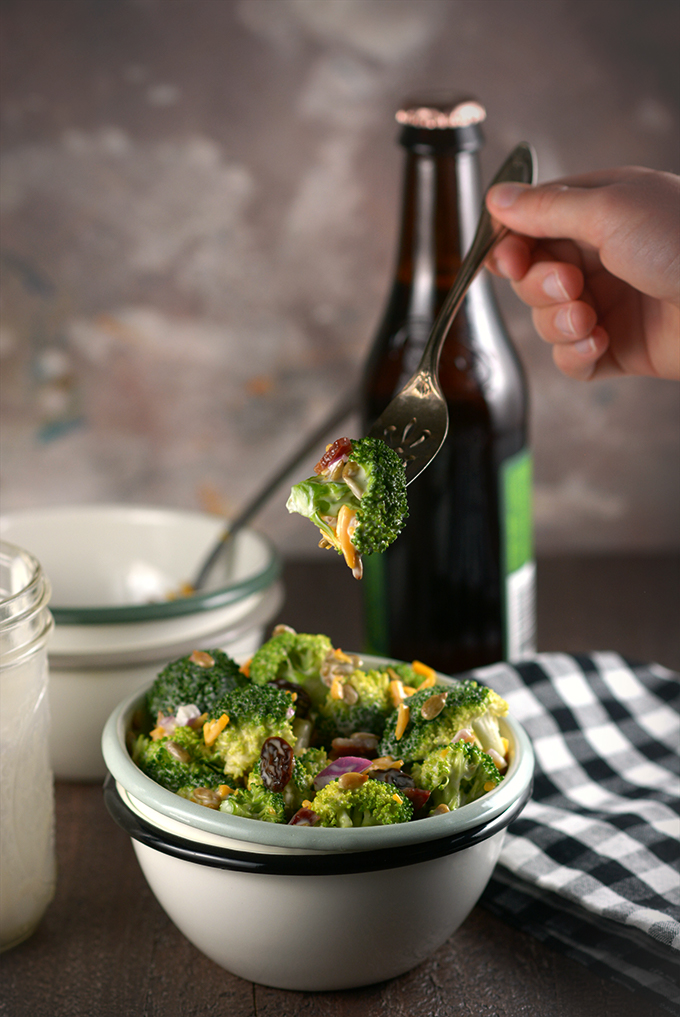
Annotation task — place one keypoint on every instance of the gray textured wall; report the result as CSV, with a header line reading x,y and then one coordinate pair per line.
x,y
199,205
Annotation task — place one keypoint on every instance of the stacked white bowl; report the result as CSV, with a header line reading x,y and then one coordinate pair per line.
x,y
116,574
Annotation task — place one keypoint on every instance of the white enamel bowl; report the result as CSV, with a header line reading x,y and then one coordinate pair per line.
x,y
311,909
112,568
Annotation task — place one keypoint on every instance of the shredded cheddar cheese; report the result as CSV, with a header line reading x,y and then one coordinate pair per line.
x,y
212,728
428,673
337,690
403,717
346,516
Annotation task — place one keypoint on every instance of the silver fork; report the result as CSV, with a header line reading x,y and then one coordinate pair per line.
x,y
416,422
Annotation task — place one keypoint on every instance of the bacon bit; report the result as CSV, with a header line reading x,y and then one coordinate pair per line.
x,y
361,743
202,658
403,717
245,668
338,449
346,517
158,733
336,690
417,796
224,790
212,728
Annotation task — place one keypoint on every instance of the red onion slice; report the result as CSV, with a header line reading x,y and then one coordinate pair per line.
x,y
345,764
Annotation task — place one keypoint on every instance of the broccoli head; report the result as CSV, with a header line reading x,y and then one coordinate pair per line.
x,y
254,712
201,678
300,787
177,761
291,656
436,715
372,803
456,775
255,802
357,498
359,701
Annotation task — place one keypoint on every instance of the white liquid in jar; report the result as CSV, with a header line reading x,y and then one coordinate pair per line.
x,y
27,858
27,861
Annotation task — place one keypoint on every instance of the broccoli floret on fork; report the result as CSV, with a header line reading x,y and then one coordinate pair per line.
x,y
357,498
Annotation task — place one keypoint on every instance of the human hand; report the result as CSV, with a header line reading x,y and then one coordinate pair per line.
x,y
597,257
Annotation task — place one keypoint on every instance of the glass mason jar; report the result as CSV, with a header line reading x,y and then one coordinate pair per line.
x,y
27,856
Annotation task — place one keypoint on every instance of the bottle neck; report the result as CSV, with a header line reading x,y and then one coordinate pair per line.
x,y
441,204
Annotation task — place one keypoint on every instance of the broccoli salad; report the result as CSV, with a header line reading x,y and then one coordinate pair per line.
x,y
303,734
357,498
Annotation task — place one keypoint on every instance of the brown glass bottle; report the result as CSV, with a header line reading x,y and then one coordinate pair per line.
x,y
456,589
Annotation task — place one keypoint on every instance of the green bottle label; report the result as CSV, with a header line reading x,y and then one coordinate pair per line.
x,y
518,555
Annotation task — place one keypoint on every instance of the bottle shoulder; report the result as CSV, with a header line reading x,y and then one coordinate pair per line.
x,y
479,365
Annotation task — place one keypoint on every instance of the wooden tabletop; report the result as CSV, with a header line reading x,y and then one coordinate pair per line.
x,y
106,949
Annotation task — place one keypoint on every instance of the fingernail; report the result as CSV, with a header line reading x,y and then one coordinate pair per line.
x,y
553,288
502,268
505,195
563,321
585,347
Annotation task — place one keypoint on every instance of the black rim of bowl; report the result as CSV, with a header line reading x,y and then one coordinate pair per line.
x,y
193,604
308,864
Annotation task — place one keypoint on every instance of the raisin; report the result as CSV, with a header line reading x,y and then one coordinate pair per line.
x,y
276,763
303,703
398,778
341,447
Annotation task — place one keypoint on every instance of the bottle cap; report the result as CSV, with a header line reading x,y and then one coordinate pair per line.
x,y
431,125
442,115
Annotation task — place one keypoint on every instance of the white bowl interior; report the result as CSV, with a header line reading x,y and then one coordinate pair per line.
x,y
107,555
124,557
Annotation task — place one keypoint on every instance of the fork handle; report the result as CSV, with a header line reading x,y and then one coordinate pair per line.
x,y
519,167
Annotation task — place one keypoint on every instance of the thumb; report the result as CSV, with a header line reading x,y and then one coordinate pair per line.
x,y
549,210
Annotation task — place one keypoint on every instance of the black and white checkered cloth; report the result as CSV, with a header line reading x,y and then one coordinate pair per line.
x,y
592,866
